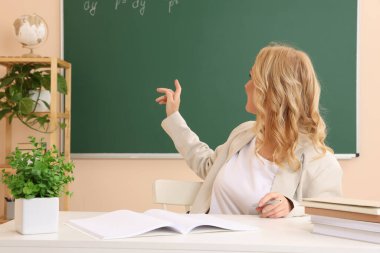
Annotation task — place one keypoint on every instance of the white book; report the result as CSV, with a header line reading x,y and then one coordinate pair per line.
x,y
355,234
346,223
344,204
125,223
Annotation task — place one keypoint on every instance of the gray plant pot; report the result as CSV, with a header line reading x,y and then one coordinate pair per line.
x,y
9,210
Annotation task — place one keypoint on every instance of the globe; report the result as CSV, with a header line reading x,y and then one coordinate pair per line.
x,y
31,31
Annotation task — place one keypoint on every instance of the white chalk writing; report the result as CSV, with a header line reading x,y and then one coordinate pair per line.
x,y
120,2
171,4
90,6
139,4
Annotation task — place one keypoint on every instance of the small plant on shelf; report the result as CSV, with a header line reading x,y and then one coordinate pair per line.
x,y
17,88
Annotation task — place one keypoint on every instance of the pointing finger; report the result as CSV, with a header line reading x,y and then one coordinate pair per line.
x,y
178,89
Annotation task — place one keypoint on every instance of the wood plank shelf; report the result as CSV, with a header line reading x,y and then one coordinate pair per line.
x,y
10,60
57,111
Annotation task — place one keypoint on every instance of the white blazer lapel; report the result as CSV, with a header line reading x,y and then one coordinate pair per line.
x,y
239,142
287,180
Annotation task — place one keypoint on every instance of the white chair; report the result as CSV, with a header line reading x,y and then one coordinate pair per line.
x,y
175,192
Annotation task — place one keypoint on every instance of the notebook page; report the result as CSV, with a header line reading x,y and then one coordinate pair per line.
x,y
184,223
181,223
119,224
219,222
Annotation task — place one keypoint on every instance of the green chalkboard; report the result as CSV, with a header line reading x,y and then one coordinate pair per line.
x,y
122,50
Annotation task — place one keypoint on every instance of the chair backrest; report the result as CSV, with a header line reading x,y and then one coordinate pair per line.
x,y
175,192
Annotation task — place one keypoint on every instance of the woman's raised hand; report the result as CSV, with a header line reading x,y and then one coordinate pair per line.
x,y
172,99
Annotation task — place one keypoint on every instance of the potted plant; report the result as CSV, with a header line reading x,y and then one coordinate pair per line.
x,y
21,94
39,178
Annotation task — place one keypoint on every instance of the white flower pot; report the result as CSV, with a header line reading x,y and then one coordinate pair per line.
x,y
37,216
45,96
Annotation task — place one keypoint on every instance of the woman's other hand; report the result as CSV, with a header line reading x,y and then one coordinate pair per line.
x,y
281,207
172,99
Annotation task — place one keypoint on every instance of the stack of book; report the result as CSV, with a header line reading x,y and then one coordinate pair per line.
x,y
346,218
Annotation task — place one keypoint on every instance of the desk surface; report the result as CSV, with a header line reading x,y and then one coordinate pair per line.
x,y
275,235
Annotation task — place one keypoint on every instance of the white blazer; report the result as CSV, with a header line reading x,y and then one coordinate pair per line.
x,y
318,175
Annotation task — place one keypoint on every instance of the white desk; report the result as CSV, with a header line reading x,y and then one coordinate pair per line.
x,y
275,235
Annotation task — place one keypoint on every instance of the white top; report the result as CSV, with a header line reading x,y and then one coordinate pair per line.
x,y
242,182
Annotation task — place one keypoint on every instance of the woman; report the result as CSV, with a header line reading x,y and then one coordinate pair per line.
x,y
271,164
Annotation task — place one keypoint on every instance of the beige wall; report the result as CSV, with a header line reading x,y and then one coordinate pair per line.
x,y
114,184
361,175
9,11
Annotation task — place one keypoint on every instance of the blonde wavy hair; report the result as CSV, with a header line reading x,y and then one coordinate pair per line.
x,y
286,99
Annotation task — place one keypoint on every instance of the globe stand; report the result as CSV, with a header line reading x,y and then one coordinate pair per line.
x,y
31,31
31,53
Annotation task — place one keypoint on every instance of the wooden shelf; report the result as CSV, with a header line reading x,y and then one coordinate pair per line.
x,y
56,113
9,60
60,115
65,115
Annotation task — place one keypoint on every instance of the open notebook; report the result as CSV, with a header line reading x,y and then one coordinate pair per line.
x,y
125,223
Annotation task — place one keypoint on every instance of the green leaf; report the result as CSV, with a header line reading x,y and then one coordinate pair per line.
x,y
10,118
45,103
4,112
43,120
27,67
5,105
62,125
2,94
15,93
36,172
33,83
40,165
16,68
36,77
31,116
6,81
45,81
27,190
62,85
26,105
